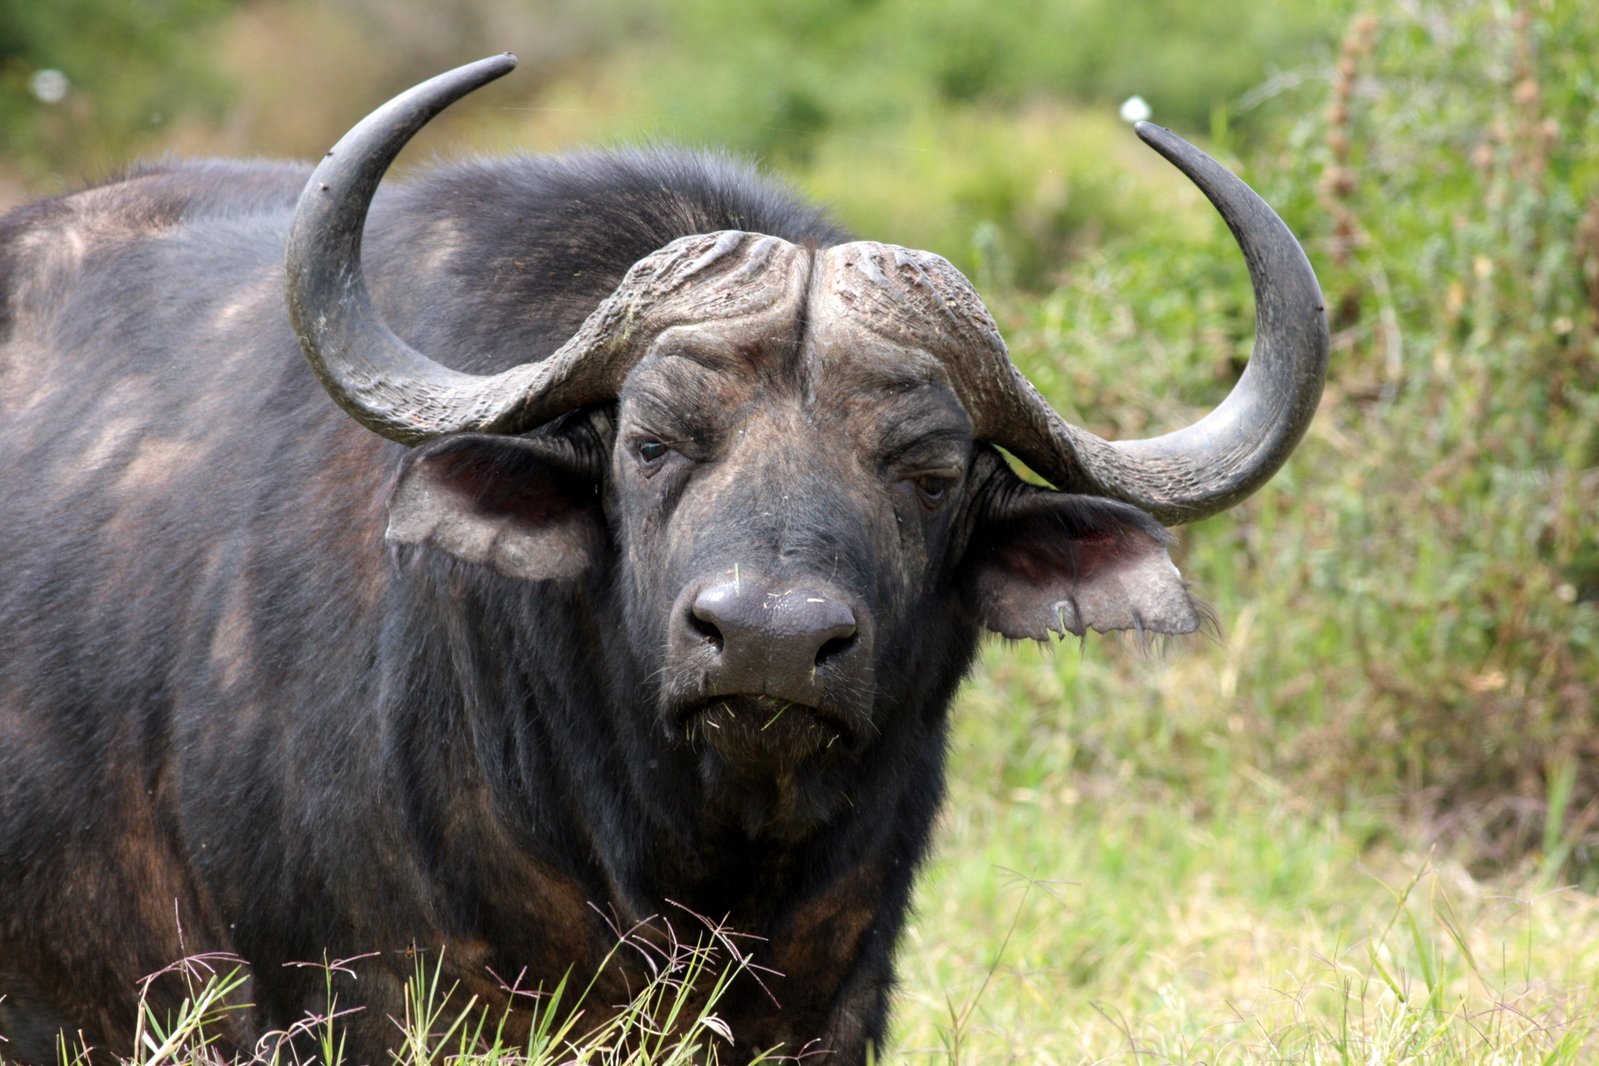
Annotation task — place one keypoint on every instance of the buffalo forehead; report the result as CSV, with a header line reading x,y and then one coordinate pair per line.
x,y
892,328
874,318
911,299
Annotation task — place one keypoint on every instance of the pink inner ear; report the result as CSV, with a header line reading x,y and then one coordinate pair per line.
x,y
523,493
1039,557
1069,564
515,505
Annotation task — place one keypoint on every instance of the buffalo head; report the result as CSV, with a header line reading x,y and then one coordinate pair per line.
x,y
784,461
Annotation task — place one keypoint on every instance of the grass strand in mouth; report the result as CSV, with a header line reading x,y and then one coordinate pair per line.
x,y
780,709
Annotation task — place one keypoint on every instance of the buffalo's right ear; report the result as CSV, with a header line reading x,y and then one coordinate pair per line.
x,y
530,507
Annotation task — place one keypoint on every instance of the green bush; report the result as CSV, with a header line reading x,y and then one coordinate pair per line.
x,y
129,69
1424,569
771,77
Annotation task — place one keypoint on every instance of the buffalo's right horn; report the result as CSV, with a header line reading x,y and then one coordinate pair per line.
x,y
396,391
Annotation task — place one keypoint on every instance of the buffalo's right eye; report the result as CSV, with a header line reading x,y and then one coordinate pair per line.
x,y
651,452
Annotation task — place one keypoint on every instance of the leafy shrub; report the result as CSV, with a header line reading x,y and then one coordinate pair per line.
x,y
122,71
1427,560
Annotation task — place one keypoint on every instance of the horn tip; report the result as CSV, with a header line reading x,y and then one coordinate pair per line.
x,y
479,72
491,67
1157,137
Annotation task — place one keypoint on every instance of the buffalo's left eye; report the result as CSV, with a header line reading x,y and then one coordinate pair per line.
x,y
932,488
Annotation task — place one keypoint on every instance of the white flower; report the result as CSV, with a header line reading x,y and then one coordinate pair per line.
x,y
1134,109
50,86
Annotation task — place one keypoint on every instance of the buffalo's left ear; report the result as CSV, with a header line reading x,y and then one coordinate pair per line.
x,y
1041,562
529,507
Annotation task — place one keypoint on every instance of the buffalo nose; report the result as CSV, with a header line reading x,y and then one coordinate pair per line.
x,y
772,643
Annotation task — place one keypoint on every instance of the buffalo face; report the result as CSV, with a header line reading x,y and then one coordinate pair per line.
x,y
807,532
786,458
785,514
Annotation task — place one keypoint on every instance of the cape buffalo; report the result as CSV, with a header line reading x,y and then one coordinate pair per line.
x,y
642,594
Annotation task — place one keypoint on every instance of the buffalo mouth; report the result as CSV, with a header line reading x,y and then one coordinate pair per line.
x,y
763,730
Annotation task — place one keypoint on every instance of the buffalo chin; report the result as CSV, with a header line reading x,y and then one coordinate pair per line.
x,y
762,732
772,767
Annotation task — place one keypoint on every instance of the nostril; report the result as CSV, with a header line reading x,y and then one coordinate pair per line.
x,y
714,616
833,648
706,629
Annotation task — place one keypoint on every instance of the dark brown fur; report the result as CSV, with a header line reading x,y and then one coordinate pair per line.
x,y
232,719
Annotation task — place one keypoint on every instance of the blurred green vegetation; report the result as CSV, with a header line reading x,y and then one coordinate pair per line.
x,y
85,82
776,78
984,131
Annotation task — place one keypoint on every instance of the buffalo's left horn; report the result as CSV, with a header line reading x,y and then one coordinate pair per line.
x,y
1215,463
396,391
918,300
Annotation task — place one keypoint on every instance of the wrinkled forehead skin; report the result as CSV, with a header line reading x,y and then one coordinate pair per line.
x,y
860,307
887,306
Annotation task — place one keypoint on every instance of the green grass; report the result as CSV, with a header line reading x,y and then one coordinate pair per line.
x,y
1118,886
671,1021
